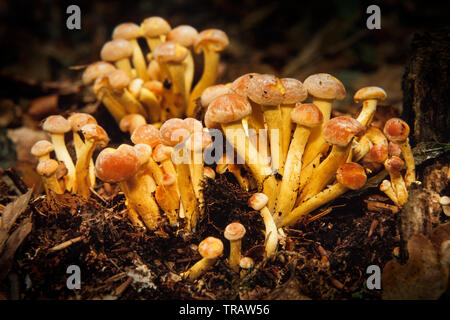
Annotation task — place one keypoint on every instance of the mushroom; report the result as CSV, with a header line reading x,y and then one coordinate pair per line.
x,y
227,111
57,126
258,201
131,122
210,249
170,56
350,175
372,136
246,263
118,51
234,232
94,136
444,201
140,90
386,187
155,30
77,121
376,156
47,169
211,42
295,93
96,70
339,132
185,35
42,149
120,166
268,91
209,173
154,71
167,198
394,165
306,116
324,88
369,97
210,93
103,92
131,32
397,131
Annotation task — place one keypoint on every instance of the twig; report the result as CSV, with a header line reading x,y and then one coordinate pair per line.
x,y
66,244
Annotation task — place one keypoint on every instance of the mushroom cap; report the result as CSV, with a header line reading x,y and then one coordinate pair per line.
x,y
47,167
351,175
56,124
118,79
396,130
170,52
131,122
210,248
266,89
198,141
394,164
154,86
444,200
135,86
168,179
394,149
227,108
143,152
341,130
258,201
147,134
212,92
385,185
378,153
324,86
183,34
154,27
162,152
116,165
99,84
213,39
173,131
209,172
96,70
246,263
94,132
79,119
116,49
127,31
240,85
193,125
307,114
367,93
295,91
234,231
41,148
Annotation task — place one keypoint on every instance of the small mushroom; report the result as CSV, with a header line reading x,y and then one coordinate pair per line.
x,y
246,263
119,52
234,232
210,249
386,187
155,30
42,149
445,203
131,122
369,97
47,169
394,165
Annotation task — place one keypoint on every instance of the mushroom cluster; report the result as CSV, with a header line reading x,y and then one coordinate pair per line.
x,y
154,80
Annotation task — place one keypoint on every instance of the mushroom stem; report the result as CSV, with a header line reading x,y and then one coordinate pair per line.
x,y
152,104
271,242
367,112
138,60
82,169
410,175
103,93
63,155
386,187
188,64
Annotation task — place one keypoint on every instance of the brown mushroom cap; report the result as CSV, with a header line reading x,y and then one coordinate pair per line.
x,y
307,114
184,35
234,231
96,133
143,152
116,49
41,148
227,108
96,70
210,248
295,91
394,164
193,125
170,52
378,153
118,79
154,86
78,120
47,167
266,89
173,131
246,263
56,124
324,86
341,130
367,93
116,165
131,122
258,201
240,85
351,175
394,149
396,130
213,39
127,31
212,92
154,27
162,152
147,134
